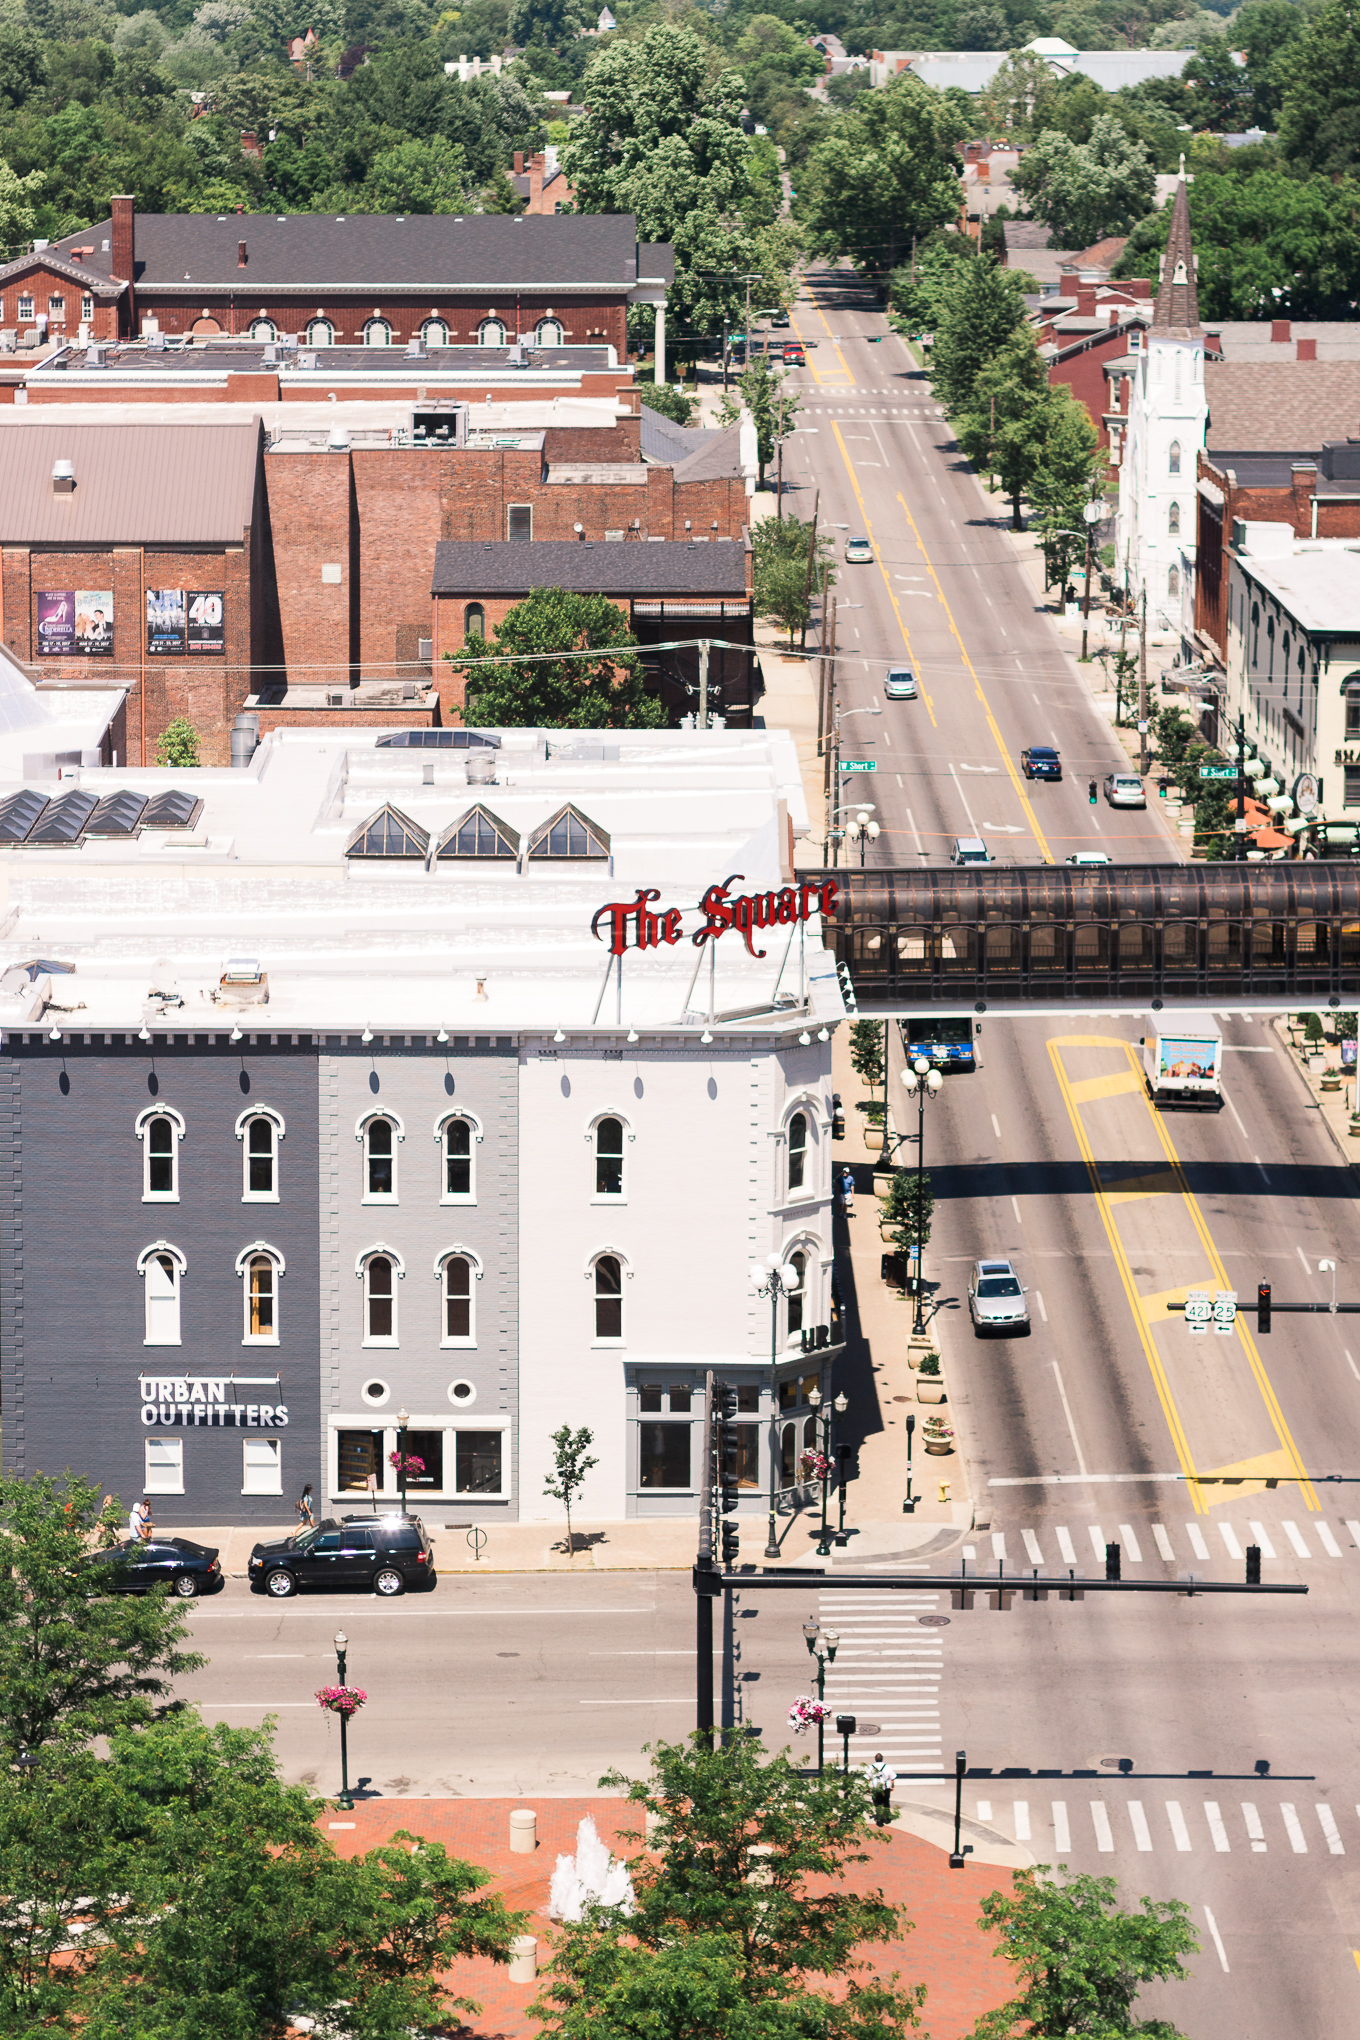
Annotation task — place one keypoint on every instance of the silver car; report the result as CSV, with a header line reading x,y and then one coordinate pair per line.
x,y
1124,789
996,1299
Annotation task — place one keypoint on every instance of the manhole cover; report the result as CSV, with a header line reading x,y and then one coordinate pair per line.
x,y
933,1621
507,1653
901,1398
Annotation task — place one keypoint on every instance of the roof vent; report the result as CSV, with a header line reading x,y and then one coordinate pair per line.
x,y
337,439
63,478
38,246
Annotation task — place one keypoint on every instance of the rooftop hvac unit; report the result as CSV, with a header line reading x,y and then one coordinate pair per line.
x,y
335,697
306,361
480,767
425,648
289,343
270,357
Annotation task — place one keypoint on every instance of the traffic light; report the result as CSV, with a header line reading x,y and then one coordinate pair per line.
x,y
1253,1565
1091,791
725,1403
1263,1306
731,1545
1112,1562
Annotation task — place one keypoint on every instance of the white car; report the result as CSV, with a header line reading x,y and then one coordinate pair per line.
x,y
1087,857
900,685
996,1298
1124,789
969,850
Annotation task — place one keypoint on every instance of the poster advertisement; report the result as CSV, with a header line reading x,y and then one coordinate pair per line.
x,y
56,621
165,620
1187,1061
207,631
94,622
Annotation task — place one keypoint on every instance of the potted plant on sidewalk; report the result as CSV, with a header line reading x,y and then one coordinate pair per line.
x,y
939,1436
929,1379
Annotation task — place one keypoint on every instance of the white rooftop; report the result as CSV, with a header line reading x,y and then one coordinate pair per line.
x,y
1317,581
483,946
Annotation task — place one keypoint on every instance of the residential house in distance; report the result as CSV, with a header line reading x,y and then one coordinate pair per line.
x,y
541,182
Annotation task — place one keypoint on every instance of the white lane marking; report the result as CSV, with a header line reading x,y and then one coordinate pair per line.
x,y
1163,1543
1327,1540
1065,1546
984,1809
964,798
1131,1544
217,1706
1197,1544
1237,1116
1216,1827
1067,1412
999,1545
1258,1532
1033,1552
970,1553
1229,1536
1062,1833
1178,1828
1327,1822
911,824
1039,1299
1142,1834
1021,1820
646,1700
1256,1834
1291,1531
1097,1536
1016,1209
1217,1939
1351,1364
996,1126
1100,1820
1304,1258
1294,1829
1354,1529
1036,697
269,1657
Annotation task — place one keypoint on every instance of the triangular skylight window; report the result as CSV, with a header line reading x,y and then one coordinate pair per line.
x,y
479,833
388,834
569,834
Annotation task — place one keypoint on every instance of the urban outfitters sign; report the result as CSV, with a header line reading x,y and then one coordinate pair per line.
x,y
721,910
185,1399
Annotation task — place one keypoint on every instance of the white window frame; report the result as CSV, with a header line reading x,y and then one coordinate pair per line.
x,y
259,1250
425,329
484,331
441,1127
361,1130
176,1119
361,1263
423,1421
592,1136
796,1190
313,337
262,329
371,327
558,328
810,1106
154,1484
243,1124
441,1262
157,1251
272,1468
625,1276
87,305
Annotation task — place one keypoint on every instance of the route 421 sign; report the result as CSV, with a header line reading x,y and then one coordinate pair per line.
x,y
1217,1308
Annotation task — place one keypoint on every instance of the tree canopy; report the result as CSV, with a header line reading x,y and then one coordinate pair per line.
x,y
1082,191
887,174
546,690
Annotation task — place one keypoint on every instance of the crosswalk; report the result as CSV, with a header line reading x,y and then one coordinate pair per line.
x,y
1057,1828
1207,1542
871,410
888,1671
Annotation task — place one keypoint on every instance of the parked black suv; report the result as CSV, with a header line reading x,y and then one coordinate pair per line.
x,y
377,1554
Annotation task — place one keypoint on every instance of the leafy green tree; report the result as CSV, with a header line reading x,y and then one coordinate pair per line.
x,y
1006,422
744,1924
24,66
886,174
784,597
773,405
1220,86
550,22
866,1051
417,177
1082,191
977,316
1264,30
1079,1960
790,561
571,1463
1268,243
918,291
1215,811
908,1210
178,743
670,402
603,691
1071,460
74,1662
1320,113
17,217
1020,96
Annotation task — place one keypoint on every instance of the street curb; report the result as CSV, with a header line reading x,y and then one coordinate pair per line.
x,y
1352,1161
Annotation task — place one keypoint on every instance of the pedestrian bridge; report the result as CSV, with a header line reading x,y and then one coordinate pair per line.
x,y
1136,936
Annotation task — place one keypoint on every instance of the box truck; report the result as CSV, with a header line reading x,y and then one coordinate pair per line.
x,y
1183,1061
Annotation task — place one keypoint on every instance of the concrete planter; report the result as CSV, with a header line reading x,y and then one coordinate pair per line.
x,y
930,1388
917,1348
1316,1064
938,1447
1332,1081
873,1139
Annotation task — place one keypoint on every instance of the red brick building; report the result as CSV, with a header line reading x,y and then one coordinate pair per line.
x,y
1316,495
1085,329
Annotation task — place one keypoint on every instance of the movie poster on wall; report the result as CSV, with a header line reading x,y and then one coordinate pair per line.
x,y
207,629
94,622
165,620
56,622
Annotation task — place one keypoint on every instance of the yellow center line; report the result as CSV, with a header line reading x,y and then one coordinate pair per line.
x,y
1016,781
845,369
1179,1440
869,534
1263,1381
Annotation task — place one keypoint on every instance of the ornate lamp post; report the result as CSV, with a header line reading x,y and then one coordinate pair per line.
x,y
345,1800
826,1421
776,1279
403,1419
921,1082
815,1637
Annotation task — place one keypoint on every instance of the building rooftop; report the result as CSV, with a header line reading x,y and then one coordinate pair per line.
x,y
1276,405
134,482
1317,581
71,371
276,864
589,566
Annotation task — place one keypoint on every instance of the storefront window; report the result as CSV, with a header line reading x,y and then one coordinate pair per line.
x,y
792,1394
748,1455
360,1460
651,1401
478,1462
663,1455
429,1447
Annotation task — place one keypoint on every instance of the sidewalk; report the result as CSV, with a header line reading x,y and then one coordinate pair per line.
x,y
1336,1106
943,1948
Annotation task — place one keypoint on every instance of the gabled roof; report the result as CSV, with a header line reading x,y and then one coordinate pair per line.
x,y
569,834
136,483
57,264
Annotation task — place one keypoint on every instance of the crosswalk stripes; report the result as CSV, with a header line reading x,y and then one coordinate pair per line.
x,y
1068,1827
888,1670
1232,1538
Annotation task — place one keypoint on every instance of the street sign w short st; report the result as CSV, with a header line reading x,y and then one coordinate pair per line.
x,y
859,764
1199,1311
1218,772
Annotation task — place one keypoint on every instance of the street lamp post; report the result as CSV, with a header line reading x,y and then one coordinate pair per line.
x,y
776,1279
922,1082
864,831
909,1505
815,1637
403,1420
838,717
345,1800
1092,515
825,1419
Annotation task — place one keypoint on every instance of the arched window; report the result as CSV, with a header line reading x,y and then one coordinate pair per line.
x,y
380,1301
261,1299
380,1161
263,329
259,1134
458,1300
1173,582
1350,688
548,333
458,1159
491,333
161,1267
797,1305
320,333
377,333
608,1273
1173,459
609,1158
435,333
1173,519
798,1140
162,1158
474,621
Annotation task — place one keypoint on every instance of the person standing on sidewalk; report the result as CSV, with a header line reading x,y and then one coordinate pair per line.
x,y
847,1192
882,1778
302,1508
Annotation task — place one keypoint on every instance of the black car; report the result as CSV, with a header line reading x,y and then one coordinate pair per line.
x,y
174,1562
1041,761
378,1554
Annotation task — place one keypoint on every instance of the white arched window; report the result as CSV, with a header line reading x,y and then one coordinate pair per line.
x,y
1173,459
491,333
799,1261
608,1143
1173,582
377,333
458,1135
379,1270
1173,519
259,1131
161,1267
798,1152
606,1275
380,1134
260,1266
320,333
548,333
263,329
435,333
458,1271
160,1129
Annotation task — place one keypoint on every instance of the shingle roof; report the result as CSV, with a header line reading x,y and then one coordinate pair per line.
x,y
82,273
657,259
588,567
1274,406
307,252
716,460
136,484
1177,307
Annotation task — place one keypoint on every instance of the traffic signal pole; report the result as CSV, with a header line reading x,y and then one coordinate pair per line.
x,y
1266,1305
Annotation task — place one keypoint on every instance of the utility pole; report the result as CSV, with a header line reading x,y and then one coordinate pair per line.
x,y
1240,832
779,457
821,674
807,579
833,760
1142,690
991,453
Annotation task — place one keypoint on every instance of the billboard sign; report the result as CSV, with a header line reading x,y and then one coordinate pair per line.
x,y
206,627
1182,1061
94,622
165,621
56,622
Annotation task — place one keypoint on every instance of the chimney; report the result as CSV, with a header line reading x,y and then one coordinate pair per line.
x,y
519,162
537,165
123,258
1307,350
1279,329
63,478
240,254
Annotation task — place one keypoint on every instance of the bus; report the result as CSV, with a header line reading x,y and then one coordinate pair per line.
x,y
946,1042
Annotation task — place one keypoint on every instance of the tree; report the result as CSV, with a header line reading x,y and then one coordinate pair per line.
x,y
1071,459
908,1210
978,316
17,217
1082,191
1020,96
1269,242
1079,1960
886,174
790,561
549,22
74,1662
417,177
1006,423
744,1924
867,1043
773,405
1320,113
784,596
668,401
178,743
571,1464
919,291
1219,84
547,690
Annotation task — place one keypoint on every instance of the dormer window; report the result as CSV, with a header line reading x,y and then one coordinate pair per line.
x,y
478,833
569,834
389,834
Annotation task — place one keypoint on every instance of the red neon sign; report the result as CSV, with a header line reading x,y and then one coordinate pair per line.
x,y
745,912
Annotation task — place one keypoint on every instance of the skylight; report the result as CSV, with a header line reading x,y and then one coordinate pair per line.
x,y
18,813
388,834
569,834
478,833
65,818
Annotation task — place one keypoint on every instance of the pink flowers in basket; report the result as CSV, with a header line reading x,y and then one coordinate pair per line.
x,y
815,1466
807,1713
346,1700
407,1463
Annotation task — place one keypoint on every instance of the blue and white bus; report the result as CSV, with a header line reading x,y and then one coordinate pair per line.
x,y
947,1042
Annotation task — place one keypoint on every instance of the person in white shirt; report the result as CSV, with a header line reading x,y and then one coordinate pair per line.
x,y
139,1522
881,1778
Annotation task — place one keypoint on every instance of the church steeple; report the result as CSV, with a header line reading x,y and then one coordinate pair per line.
x,y
1176,312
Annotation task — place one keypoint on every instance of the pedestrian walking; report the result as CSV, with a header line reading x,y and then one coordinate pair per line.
x,y
847,1193
108,1524
881,1778
139,1522
302,1508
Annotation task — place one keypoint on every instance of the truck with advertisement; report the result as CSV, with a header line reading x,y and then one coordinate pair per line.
x,y
1183,1061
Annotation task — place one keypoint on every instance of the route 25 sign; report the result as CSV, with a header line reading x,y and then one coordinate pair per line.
x,y
721,910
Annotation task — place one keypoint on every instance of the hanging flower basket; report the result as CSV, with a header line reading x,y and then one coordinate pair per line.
x,y
807,1713
407,1463
815,1466
344,1700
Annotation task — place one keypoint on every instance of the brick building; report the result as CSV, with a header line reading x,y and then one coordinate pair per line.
x,y
1082,330
1312,496
541,182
